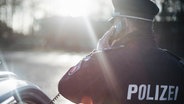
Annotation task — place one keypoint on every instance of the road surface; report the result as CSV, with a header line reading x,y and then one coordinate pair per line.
x,y
44,69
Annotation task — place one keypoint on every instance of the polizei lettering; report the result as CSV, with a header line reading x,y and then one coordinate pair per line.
x,y
152,92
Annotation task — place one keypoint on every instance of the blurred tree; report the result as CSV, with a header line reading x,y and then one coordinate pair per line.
x,y
7,10
172,10
15,4
2,2
33,8
17,13
180,13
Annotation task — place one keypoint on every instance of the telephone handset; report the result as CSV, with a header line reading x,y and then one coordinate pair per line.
x,y
119,26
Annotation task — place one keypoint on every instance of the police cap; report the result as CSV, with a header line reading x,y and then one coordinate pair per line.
x,y
136,8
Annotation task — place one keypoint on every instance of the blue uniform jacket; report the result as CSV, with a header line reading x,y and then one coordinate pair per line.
x,y
134,71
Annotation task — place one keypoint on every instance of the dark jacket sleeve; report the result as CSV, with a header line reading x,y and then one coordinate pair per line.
x,y
80,80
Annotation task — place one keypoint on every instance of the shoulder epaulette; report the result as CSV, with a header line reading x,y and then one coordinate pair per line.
x,y
180,60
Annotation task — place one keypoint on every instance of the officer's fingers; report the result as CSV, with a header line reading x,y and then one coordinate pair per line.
x,y
104,41
109,33
86,100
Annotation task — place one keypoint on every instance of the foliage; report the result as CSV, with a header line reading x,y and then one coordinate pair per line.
x,y
172,10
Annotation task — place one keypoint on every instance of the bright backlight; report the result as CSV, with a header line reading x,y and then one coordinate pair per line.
x,y
72,8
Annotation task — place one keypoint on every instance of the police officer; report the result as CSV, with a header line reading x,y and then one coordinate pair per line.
x,y
127,67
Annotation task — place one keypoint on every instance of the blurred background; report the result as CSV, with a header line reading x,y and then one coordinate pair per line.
x,y
45,24
50,36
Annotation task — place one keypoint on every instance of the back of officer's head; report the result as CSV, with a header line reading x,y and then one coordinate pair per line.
x,y
139,12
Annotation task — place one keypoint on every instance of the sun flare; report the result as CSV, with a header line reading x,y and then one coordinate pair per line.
x,y
23,19
72,8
